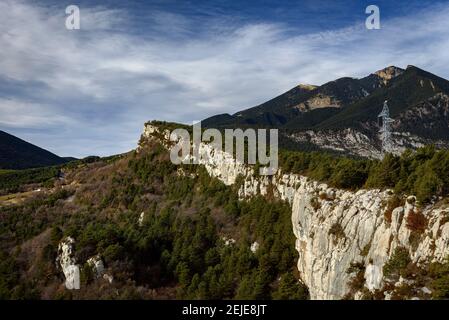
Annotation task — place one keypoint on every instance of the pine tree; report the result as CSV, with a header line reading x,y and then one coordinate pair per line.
x,y
245,289
290,289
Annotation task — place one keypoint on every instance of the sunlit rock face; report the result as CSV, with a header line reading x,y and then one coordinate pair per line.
x,y
335,227
365,236
68,264
389,73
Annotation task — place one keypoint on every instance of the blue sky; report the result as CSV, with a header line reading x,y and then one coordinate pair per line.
x,y
89,91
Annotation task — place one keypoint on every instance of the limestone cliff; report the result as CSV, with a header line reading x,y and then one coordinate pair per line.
x,y
356,143
68,264
337,228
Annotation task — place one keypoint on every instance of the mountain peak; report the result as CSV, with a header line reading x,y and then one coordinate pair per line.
x,y
308,87
389,73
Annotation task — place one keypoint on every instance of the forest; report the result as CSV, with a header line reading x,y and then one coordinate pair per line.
x,y
179,250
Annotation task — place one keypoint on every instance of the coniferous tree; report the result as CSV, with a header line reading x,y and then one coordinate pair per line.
x,y
290,289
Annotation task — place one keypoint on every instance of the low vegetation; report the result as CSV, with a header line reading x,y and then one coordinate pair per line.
x,y
12,180
397,264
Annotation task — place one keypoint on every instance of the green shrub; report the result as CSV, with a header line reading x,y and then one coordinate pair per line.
x,y
439,273
12,180
290,289
427,186
397,263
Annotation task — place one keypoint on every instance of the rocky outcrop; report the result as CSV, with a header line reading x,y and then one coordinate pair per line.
x,y
354,142
337,228
254,247
389,73
68,264
98,268
347,140
366,237
307,87
318,101
228,241
97,265
141,218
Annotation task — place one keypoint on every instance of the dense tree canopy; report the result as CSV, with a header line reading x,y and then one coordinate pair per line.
x,y
424,173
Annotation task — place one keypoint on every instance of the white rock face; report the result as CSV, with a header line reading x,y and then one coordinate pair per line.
x,y
426,290
97,265
389,73
217,163
108,277
221,164
373,276
368,238
228,241
365,236
141,217
254,247
356,143
348,140
68,264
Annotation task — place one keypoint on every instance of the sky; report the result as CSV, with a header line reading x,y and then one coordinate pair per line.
x,y
89,91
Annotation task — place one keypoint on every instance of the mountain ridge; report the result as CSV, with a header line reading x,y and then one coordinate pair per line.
x,y
16,153
351,103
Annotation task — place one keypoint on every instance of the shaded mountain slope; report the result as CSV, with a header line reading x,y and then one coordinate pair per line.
x,y
16,153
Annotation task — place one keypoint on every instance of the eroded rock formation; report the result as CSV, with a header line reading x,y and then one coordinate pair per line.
x,y
68,264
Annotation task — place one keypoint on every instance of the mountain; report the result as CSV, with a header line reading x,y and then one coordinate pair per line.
x,y
16,153
341,115
302,100
136,226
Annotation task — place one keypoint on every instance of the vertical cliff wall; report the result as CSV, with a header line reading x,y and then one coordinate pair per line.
x,y
337,228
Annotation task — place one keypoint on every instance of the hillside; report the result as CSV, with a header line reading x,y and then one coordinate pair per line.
x,y
156,230
136,226
341,115
288,109
16,153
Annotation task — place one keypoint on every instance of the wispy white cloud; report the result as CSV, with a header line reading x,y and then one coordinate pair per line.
x,y
16,113
98,85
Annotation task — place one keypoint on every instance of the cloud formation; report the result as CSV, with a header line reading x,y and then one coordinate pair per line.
x,y
89,91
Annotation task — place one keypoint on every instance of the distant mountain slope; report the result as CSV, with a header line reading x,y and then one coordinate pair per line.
x,y
341,115
289,108
16,153
406,91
